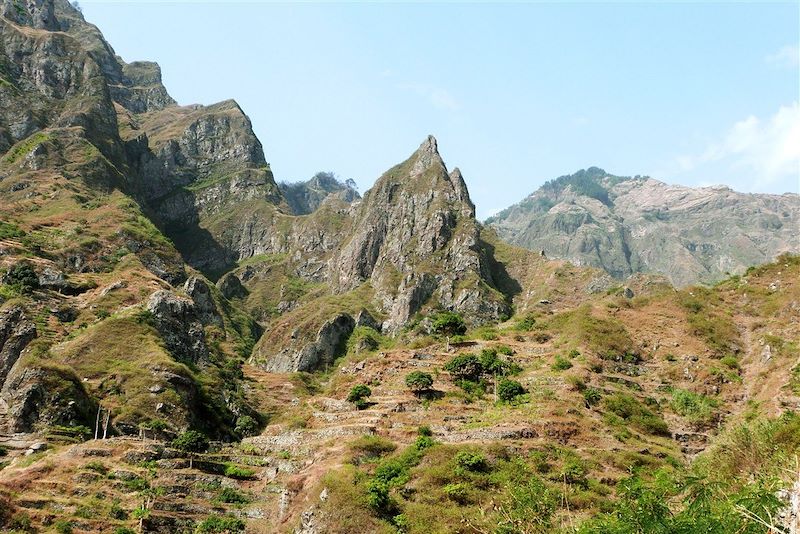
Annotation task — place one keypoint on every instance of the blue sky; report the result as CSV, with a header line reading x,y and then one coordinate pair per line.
x,y
516,94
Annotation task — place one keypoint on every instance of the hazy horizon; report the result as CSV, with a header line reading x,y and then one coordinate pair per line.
x,y
516,94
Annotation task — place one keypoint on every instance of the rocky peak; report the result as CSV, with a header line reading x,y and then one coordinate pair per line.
x,y
628,225
306,197
415,238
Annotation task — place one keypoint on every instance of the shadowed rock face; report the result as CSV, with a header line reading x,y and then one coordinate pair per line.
x,y
632,225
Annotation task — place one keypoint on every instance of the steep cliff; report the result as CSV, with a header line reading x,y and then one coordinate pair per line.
x,y
306,197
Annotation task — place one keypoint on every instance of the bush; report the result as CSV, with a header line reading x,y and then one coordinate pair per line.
x,y
191,441
632,411
449,324
508,390
22,278
465,367
693,406
124,530
231,496
505,350
358,395
246,426
221,524
561,364
425,430
372,447
458,492
730,361
418,381
592,396
63,526
240,473
471,461
526,323
492,364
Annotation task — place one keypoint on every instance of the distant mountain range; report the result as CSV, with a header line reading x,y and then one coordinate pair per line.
x,y
628,225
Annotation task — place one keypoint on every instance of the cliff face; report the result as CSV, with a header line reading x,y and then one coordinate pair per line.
x,y
632,225
416,239
410,245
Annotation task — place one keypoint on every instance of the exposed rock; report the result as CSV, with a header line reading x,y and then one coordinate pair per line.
x,y
628,225
306,197
418,214
364,318
329,342
231,287
15,334
177,321
200,293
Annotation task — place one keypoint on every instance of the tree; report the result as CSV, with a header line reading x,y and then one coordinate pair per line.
x,y
449,324
509,390
246,426
419,382
191,442
358,394
465,367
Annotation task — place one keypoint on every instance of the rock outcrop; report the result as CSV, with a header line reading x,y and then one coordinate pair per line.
x,y
306,197
177,320
631,225
305,356
415,239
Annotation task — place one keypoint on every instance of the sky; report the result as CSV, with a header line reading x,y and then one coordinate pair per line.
x,y
516,94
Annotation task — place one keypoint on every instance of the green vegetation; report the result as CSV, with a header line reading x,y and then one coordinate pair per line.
x,y
632,411
465,367
22,278
246,426
526,323
241,473
10,230
370,447
605,336
695,407
221,524
231,496
509,390
561,364
191,442
358,395
709,320
419,382
448,324
24,147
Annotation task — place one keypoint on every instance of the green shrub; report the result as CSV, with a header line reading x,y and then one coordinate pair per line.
x,y
561,364
63,526
526,323
425,430
693,406
241,473
465,367
221,524
592,396
191,442
632,411
231,496
21,277
448,324
730,361
457,492
508,390
493,365
471,461
358,395
419,382
246,426
370,446
10,230
505,350
96,466
124,530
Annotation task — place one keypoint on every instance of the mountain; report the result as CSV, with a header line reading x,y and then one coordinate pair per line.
x,y
187,345
627,225
305,197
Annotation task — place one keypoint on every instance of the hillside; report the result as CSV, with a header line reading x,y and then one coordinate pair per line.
x,y
627,225
187,345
